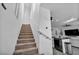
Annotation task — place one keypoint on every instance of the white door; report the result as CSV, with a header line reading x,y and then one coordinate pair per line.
x,y
45,44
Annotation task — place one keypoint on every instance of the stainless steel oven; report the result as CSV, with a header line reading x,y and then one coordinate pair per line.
x,y
63,45
58,44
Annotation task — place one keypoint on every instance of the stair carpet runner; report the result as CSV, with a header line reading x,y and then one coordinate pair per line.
x,y
26,44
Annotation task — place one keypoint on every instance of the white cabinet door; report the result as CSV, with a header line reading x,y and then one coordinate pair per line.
x,y
45,44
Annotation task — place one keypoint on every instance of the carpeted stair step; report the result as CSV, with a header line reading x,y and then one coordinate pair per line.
x,y
25,45
26,40
25,36
29,51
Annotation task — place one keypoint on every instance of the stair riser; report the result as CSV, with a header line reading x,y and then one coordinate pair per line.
x,y
24,37
25,46
25,34
33,52
25,41
26,31
25,28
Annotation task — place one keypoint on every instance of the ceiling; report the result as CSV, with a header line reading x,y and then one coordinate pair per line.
x,y
62,11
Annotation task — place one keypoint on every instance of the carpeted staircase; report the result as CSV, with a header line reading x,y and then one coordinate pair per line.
x,y
26,44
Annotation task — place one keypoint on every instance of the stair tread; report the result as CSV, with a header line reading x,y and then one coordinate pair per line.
x,y
26,39
23,50
25,35
25,43
26,31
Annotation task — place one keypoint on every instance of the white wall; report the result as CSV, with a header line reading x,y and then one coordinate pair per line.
x,y
10,27
26,13
45,44
34,21
44,16
27,17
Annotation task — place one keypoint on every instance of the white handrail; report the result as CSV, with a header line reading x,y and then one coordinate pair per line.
x,y
44,35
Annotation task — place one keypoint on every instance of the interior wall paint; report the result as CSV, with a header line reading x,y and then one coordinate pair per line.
x,y
45,21
26,8
27,17
78,9
34,21
45,45
23,14
10,28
